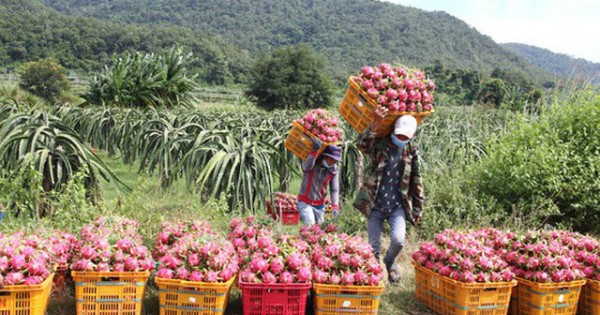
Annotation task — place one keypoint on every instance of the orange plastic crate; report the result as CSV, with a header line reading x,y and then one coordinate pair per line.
x,y
449,297
109,293
178,297
358,110
430,289
548,298
589,302
25,299
298,142
338,299
513,308
477,298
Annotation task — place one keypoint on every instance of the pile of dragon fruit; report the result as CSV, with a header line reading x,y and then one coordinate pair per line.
x,y
491,255
24,260
265,258
322,124
285,203
461,257
397,88
111,244
340,259
193,252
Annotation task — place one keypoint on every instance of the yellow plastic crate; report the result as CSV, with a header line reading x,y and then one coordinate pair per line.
x,y
109,293
477,298
513,308
178,297
337,299
589,302
298,142
548,298
358,109
430,289
25,299
449,297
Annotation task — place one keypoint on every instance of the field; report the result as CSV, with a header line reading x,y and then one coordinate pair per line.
x,y
225,158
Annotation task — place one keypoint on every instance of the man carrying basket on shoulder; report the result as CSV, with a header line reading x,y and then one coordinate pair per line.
x,y
392,189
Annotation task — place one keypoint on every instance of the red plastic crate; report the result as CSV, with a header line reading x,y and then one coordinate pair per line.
x,y
287,218
274,299
292,218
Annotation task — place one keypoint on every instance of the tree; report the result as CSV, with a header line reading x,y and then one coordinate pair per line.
x,y
492,91
44,78
290,77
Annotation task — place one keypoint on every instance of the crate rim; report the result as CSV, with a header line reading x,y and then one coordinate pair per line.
x,y
553,285
472,285
27,288
199,284
364,288
123,274
291,286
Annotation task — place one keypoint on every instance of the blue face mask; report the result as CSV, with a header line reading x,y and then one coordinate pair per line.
x,y
399,143
325,164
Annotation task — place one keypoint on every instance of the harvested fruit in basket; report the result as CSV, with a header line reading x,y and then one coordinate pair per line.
x,y
322,124
397,88
23,260
340,259
285,202
281,260
463,257
111,244
193,252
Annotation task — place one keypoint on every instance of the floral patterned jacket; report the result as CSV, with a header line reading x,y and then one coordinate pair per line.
x,y
411,185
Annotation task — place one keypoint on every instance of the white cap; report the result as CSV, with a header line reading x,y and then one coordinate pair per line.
x,y
405,125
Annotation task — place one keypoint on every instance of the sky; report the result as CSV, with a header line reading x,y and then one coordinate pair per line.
x,y
562,26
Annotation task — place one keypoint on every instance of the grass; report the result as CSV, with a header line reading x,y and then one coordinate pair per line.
x,y
150,205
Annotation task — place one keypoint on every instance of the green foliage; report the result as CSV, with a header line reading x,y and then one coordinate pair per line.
x,y
462,84
38,140
290,78
31,31
144,80
24,197
552,161
492,91
348,33
13,93
559,64
44,78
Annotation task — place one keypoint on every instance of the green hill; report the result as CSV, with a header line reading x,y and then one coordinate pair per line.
x,y
559,64
349,33
29,30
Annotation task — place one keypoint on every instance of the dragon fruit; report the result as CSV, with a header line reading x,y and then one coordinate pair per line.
x,y
322,124
391,87
194,252
111,244
341,259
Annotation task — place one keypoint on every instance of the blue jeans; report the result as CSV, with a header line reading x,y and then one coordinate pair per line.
x,y
310,214
397,221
